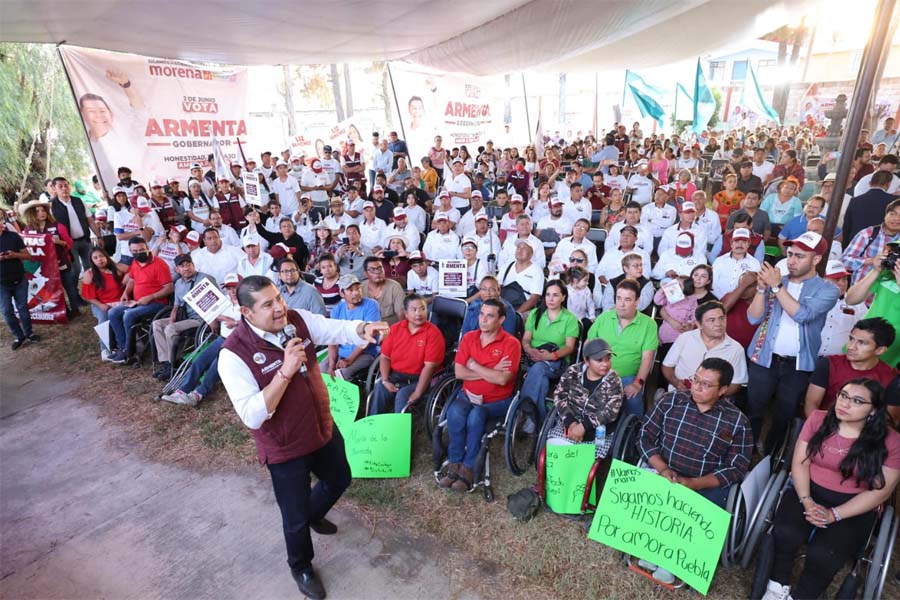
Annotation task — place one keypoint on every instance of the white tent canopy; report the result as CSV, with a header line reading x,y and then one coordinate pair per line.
x,y
473,36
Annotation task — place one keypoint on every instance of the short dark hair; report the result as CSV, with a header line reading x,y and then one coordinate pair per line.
x,y
369,260
326,256
889,159
633,204
722,367
630,284
136,240
576,184
756,191
893,205
352,226
123,170
743,217
706,307
210,230
409,298
89,97
250,285
501,308
58,179
879,179
882,331
183,258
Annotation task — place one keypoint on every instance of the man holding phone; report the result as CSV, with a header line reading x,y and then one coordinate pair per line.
x,y
14,287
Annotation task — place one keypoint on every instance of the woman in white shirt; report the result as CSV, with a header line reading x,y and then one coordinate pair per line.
x,y
196,206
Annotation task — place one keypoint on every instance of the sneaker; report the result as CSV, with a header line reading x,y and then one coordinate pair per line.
x,y
193,399
450,476
176,397
776,591
647,565
118,357
34,338
17,344
663,576
104,355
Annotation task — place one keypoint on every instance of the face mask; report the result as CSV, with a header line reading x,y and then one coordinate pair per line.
x,y
142,257
297,167
520,167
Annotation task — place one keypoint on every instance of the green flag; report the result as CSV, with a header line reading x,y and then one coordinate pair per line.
x,y
752,98
645,96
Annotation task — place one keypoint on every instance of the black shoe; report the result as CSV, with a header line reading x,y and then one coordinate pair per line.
x,y
18,344
119,357
72,314
309,584
323,527
163,372
34,338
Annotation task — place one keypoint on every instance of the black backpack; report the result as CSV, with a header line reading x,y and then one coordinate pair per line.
x,y
524,504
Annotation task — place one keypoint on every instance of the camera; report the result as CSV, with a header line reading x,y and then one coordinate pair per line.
x,y
893,256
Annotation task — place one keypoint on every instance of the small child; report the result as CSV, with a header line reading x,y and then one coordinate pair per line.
x,y
581,301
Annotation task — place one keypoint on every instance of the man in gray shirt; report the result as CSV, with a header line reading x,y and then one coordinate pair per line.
x,y
298,294
181,319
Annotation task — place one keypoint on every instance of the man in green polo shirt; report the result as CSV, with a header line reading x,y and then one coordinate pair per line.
x,y
633,337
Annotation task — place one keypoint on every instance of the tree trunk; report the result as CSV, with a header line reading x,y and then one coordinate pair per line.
x,y
386,94
349,90
336,92
289,100
562,98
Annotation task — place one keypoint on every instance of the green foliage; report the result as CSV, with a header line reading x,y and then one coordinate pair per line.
x,y
28,73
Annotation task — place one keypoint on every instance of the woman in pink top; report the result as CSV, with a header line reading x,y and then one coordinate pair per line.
x,y
659,166
846,465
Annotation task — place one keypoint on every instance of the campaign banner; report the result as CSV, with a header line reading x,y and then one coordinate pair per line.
x,y
462,109
207,300
46,300
311,142
156,116
452,278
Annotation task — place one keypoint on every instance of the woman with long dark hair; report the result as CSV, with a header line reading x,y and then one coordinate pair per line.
x,y
845,466
102,287
39,219
551,334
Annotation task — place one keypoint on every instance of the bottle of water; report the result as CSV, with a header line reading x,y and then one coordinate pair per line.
x,y
600,441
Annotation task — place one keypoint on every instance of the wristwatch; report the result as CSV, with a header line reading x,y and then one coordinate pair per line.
x,y
776,288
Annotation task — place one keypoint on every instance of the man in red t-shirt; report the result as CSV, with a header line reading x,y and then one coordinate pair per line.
x,y
869,339
598,194
736,303
487,363
148,286
410,356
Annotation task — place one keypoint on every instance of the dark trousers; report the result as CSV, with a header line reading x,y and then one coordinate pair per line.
x,y
81,252
781,382
299,505
828,550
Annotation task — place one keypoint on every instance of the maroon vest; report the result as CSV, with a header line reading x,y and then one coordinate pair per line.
x,y
231,211
302,422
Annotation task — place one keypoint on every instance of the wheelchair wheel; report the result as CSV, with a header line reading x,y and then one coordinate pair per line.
x,y
519,447
763,518
783,456
371,376
546,428
880,561
203,334
442,391
736,506
625,447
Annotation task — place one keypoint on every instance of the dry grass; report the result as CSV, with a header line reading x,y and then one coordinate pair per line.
x,y
487,548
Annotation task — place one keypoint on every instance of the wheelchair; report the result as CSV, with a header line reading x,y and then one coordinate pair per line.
x,y
494,427
142,335
203,335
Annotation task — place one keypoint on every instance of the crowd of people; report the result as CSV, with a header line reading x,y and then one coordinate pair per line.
x,y
600,271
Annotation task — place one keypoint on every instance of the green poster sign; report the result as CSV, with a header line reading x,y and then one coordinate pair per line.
x,y
379,446
645,515
568,466
344,397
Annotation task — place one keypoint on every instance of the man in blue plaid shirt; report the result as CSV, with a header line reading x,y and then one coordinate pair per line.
x,y
698,438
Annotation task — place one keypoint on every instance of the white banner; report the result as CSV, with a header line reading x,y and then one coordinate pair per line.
x,y
462,109
156,116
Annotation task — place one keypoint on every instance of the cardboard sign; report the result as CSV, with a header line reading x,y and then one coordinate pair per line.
x,y
344,397
568,466
379,446
452,278
645,515
207,300
251,189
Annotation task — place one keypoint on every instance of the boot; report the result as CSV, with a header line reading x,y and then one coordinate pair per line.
x,y
463,481
450,476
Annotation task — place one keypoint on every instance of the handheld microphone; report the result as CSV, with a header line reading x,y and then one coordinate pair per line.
x,y
290,332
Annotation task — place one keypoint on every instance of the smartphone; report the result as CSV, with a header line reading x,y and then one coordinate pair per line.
x,y
390,253
345,241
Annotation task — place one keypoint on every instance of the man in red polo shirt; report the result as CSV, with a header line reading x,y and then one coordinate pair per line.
x,y
869,339
410,356
487,363
148,286
736,303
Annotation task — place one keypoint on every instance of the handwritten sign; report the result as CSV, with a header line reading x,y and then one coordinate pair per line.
x,y
452,278
251,189
344,397
379,446
207,300
568,466
645,515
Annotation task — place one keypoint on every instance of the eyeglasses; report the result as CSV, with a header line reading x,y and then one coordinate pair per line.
x,y
702,385
855,400
576,260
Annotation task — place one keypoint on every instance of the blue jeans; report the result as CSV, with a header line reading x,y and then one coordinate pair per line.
x,y
382,397
465,422
205,365
633,406
537,383
18,294
102,316
122,319
716,495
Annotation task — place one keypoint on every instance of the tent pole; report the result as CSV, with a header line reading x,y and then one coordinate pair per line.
x,y
527,114
596,102
397,104
86,135
859,103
